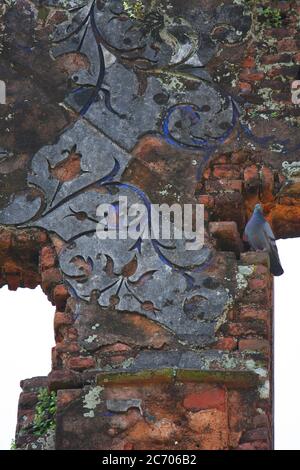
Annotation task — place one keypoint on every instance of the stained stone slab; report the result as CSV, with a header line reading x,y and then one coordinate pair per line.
x,y
146,69
210,360
145,76
157,278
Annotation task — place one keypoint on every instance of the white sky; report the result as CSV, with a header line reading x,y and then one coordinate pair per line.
x,y
287,348
26,338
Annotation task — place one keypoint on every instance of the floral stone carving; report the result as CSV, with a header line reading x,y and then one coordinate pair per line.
x,y
158,278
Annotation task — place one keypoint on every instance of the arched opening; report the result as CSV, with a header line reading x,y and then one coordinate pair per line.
x,y
26,339
28,265
286,355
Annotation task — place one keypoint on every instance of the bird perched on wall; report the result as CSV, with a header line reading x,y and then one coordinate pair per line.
x,y
259,235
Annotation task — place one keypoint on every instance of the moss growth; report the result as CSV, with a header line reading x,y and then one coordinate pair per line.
x,y
236,379
270,17
134,9
45,412
43,13
240,379
161,375
13,445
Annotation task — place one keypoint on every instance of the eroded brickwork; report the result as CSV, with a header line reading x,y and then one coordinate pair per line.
x,y
200,112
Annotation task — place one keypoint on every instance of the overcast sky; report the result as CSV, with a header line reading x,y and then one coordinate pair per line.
x,y
287,351
26,339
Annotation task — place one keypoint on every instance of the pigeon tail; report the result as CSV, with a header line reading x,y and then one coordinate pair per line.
x,y
275,266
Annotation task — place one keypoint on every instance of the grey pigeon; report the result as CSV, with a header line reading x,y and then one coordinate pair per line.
x,y
259,235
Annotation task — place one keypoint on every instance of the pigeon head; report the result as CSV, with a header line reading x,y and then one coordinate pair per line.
x,y
258,209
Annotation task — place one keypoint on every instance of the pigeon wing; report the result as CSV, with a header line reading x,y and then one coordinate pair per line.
x,y
276,267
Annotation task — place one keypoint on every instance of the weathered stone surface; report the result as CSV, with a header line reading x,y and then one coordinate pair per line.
x,y
211,426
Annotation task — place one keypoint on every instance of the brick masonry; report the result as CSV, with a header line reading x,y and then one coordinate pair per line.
x,y
109,366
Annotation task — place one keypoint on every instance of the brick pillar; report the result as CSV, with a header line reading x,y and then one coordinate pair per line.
x,y
157,347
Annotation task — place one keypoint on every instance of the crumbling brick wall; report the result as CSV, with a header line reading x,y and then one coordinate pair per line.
x,y
213,369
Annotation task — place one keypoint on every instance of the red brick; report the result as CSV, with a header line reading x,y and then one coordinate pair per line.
x,y
207,200
226,344
248,62
47,258
250,313
72,63
287,45
40,237
13,280
260,421
253,446
252,77
117,360
71,334
244,329
62,379
223,229
239,157
50,278
257,284
207,173
117,347
296,58
281,33
55,360
275,59
210,428
27,400
60,296
213,186
260,269
274,72
245,87
65,347
251,175
256,257
232,185
259,434
31,280
33,384
64,397
61,319
128,446
222,160
208,399
254,344
10,266
5,239
226,171
237,411
81,363
23,240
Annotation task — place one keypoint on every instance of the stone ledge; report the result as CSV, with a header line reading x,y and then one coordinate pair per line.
x,y
236,370
232,379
